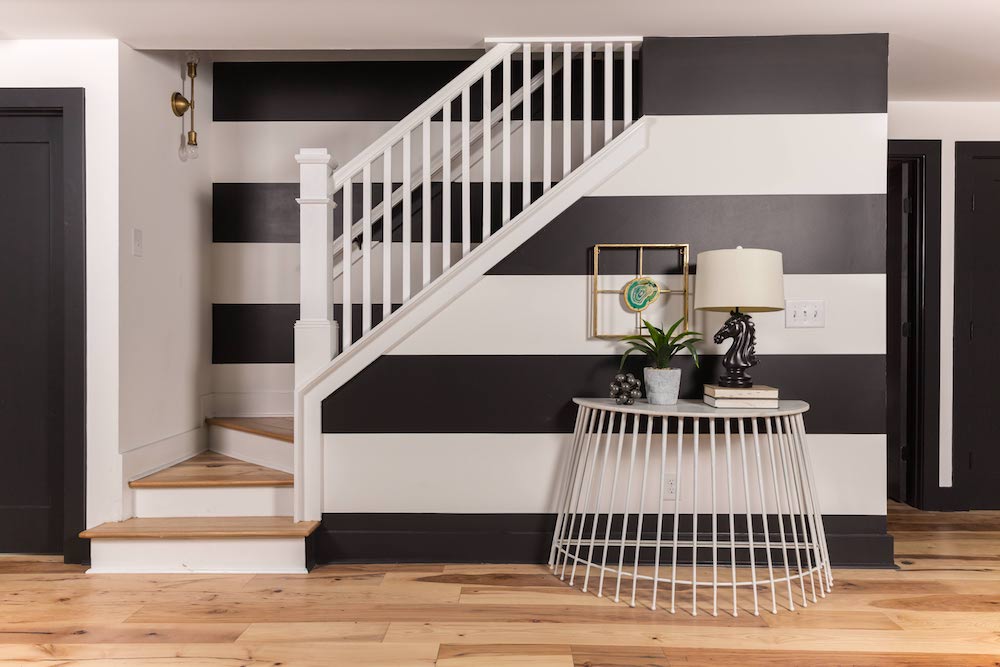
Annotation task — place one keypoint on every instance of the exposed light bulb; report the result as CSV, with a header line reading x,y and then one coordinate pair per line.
x,y
191,57
192,152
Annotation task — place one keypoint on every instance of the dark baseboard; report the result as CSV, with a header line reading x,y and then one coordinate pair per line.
x,y
853,540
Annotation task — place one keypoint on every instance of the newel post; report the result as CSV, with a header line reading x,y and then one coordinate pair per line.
x,y
315,331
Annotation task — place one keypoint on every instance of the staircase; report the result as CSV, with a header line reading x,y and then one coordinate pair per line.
x,y
501,122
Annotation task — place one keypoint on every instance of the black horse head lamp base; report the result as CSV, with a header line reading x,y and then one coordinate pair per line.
x,y
739,281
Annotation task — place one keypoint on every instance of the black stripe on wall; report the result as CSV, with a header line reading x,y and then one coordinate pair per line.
x,y
532,393
765,75
816,233
268,213
263,333
853,540
388,90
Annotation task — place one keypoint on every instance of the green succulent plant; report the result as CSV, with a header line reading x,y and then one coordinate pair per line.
x,y
661,346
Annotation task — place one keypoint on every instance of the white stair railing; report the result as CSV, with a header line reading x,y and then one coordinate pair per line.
x,y
467,143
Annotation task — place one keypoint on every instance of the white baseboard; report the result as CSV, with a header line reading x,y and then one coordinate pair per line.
x,y
198,556
214,501
252,404
258,449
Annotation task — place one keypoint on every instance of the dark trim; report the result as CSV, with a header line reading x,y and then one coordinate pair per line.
x,y
972,429
853,540
765,75
69,104
389,89
816,233
925,460
459,393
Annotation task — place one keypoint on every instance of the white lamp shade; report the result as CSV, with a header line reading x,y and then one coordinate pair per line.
x,y
751,279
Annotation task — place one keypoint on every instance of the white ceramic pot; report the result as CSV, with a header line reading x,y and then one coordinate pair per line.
x,y
662,385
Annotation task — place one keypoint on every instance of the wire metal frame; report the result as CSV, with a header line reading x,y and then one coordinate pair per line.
x,y
764,524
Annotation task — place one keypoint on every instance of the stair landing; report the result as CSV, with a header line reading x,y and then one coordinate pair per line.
x,y
278,428
213,469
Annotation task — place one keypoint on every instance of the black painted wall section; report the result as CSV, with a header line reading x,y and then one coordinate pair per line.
x,y
816,233
389,90
765,75
463,394
853,540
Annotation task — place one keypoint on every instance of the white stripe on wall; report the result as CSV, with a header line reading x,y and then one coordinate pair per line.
x,y
758,154
552,315
517,473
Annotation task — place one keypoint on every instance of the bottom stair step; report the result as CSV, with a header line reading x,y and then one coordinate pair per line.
x,y
201,545
202,527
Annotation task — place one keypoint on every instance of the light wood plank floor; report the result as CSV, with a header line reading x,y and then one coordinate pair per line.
x,y
941,608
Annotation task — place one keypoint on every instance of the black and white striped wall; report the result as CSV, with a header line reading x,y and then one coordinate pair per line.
x,y
776,142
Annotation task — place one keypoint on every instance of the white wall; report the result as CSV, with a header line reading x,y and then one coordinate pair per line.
x,y
949,122
165,314
93,65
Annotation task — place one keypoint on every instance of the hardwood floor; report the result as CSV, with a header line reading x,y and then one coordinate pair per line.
x,y
941,608
278,428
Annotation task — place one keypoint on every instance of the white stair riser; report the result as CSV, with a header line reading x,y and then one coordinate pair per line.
x,y
209,556
258,449
214,501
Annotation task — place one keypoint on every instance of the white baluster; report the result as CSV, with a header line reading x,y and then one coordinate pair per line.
x,y
627,81
387,232
446,186
588,66
366,249
526,128
466,202
609,90
347,261
425,210
547,120
407,214
487,147
505,191
567,121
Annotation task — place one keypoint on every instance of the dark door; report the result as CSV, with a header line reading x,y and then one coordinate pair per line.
x,y
976,448
31,333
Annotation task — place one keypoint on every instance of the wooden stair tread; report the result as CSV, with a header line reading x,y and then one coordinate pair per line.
x,y
213,469
202,528
278,428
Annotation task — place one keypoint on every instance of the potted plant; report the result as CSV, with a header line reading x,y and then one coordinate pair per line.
x,y
663,383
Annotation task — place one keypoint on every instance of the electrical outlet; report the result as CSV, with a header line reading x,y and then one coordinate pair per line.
x,y
805,314
136,242
670,488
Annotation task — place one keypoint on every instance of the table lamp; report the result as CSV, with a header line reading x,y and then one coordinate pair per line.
x,y
739,281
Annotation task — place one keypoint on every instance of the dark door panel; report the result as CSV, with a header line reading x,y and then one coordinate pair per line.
x,y
31,343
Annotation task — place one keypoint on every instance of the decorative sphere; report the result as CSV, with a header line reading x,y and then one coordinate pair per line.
x,y
620,378
635,393
630,377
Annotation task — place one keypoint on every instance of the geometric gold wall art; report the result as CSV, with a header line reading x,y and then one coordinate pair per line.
x,y
640,292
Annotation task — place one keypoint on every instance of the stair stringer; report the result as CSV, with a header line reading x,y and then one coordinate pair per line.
x,y
431,300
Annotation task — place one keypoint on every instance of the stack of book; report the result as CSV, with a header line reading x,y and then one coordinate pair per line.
x,y
758,396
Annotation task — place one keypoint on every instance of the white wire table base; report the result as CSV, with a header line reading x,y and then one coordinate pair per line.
x,y
741,509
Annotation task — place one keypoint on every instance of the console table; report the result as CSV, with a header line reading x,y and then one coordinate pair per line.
x,y
680,499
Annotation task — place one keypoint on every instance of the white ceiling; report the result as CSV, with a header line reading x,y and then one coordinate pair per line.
x,y
939,49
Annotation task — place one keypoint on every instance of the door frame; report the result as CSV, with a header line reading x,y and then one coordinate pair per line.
x,y
923,464
964,493
68,104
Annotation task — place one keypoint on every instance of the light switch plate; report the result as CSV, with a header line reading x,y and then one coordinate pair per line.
x,y
136,242
805,314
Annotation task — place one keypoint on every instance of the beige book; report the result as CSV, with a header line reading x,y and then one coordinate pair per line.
x,y
757,391
741,402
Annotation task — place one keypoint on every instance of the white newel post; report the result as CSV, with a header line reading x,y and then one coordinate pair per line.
x,y
315,331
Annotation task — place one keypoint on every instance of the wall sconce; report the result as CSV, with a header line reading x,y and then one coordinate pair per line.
x,y
181,105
